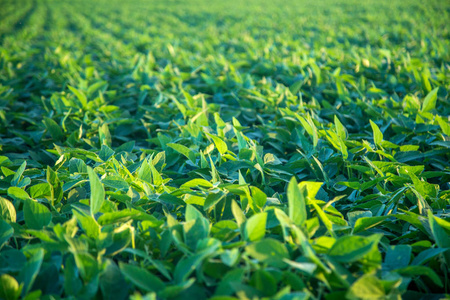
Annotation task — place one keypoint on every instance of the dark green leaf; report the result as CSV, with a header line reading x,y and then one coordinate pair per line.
x,y
268,251
142,278
297,205
36,215
97,191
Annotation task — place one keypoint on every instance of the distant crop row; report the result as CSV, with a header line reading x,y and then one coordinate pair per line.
x,y
224,149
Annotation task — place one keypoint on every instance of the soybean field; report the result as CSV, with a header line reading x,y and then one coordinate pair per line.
x,y
241,149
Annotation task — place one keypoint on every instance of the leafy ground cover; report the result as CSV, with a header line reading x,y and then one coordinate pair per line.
x,y
224,149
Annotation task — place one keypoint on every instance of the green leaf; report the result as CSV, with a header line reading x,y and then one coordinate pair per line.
x,y
105,152
352,248
112,282
196,227
142,278
80,95
310,128
36,215
259,198
29,273
377,135
170,199
7,210
429,103
242,143
220,144
40,190
116,182
340,129
183,150
443,223
125,215
238,214
126,147
365,223
415,219
157,178
6,232
7,172
197,182
145,172
87,223
100,85
72,282
17,193
424,188
337,142
179,105
105,136
441,237
97,191
192,213
224,287
325,219
9,288
186,266
263,281
397,256
15,180
87,265
230,257
295,87
269,251
366,287
212,200
353,216
312,188
77,165
444,124
412,271
427,255
157,264
305,267
297,204
255,227
54,129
